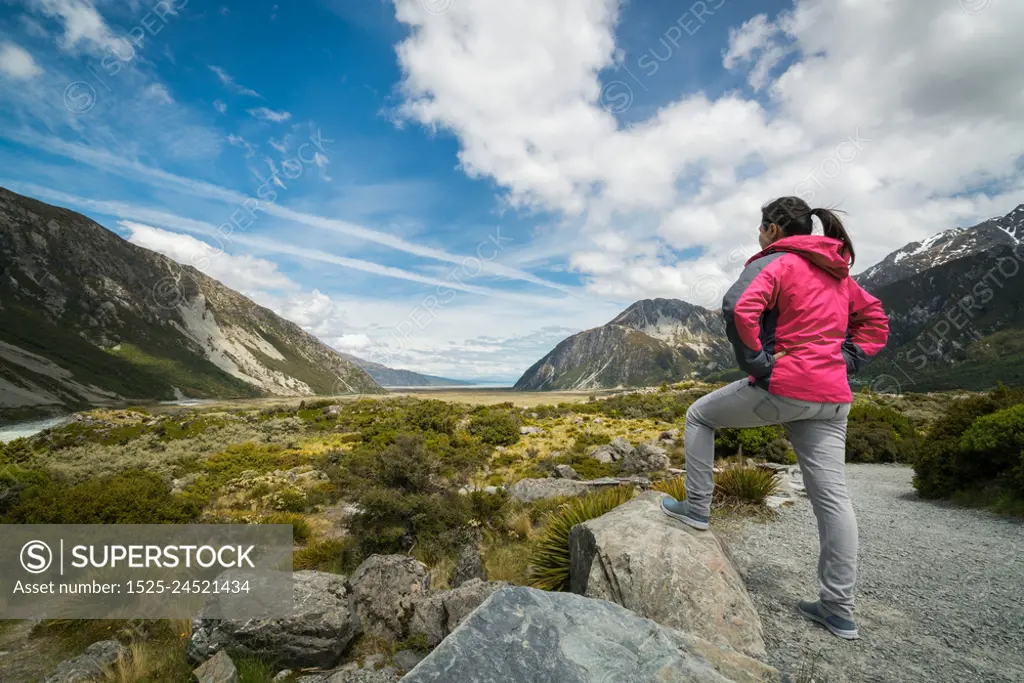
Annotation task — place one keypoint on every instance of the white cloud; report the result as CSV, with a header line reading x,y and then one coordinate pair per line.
x,y
930,93
83,26
220,106
239,141
17,63
159,93
229,82
245,274
267,114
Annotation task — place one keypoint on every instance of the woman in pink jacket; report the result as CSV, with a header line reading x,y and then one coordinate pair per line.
x,y
799,325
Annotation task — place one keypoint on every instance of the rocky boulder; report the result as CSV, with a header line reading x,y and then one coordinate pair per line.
x,y
217,669
90,664
384,588
322,626
565,472
470,566
522,635
530,490
438,614
661,569
645,458
618,449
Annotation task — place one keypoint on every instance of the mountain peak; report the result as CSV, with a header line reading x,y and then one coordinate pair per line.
x,y
944,247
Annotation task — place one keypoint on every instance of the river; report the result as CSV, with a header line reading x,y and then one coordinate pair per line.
x,y
25,429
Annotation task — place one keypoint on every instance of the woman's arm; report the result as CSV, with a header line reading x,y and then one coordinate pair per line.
x,y
868,329
744,303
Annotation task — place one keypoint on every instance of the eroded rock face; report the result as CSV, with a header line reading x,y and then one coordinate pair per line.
x,y
438,614
90,664
470,566
641,559
522,635
384,588
320,630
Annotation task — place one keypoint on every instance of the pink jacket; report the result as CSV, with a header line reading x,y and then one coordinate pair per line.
x,y
797,296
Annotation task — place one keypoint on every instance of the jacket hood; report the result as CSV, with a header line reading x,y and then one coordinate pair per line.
x,y
824,252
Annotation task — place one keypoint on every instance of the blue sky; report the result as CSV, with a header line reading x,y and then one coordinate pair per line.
x,y
460,185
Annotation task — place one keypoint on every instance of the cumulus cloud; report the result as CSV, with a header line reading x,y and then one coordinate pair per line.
x,y
905,114
246,274
17,62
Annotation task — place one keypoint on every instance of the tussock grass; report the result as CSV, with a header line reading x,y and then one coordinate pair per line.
x,y
742,484
550,557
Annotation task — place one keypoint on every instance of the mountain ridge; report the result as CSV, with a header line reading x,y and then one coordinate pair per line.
x,y
86,317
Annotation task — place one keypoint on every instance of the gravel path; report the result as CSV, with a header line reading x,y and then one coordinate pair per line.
x,y
940,594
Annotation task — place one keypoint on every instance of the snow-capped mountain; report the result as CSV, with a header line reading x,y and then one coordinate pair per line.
x,y
944,247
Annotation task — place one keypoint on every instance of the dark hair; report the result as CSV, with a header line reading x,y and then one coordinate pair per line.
x,y
794,217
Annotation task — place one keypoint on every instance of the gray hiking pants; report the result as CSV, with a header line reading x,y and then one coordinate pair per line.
x,y
818,434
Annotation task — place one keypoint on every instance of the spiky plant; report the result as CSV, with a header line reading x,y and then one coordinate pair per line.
x,y
742,484
549,557
675,487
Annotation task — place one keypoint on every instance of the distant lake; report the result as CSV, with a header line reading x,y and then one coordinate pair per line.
x,y
22,430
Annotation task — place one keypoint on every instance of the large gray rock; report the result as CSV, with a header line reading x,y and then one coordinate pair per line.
x,y
384,588
217,669
566,472
530,490
522,635
645,458
438,614
322,626
662,569
89,665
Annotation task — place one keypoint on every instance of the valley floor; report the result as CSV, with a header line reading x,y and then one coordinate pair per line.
x,y
939,588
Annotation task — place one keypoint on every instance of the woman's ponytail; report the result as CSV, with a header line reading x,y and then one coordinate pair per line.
x,y
833,227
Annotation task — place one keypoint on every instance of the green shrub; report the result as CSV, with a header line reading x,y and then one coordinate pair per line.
x,y
301,531
869,442
945,464
874,434
133,497
741,484
755,442
16,452
549,558
995,446
780,451
496,425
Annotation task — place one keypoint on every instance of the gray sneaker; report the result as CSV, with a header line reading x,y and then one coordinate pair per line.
x,y
680,510
844,628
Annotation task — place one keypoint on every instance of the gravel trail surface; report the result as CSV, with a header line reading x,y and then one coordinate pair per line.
x,y
940,591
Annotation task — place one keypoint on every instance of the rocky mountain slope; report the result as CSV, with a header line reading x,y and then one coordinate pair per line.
x,y
652,341
395,377
945,247
86,318
939,340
